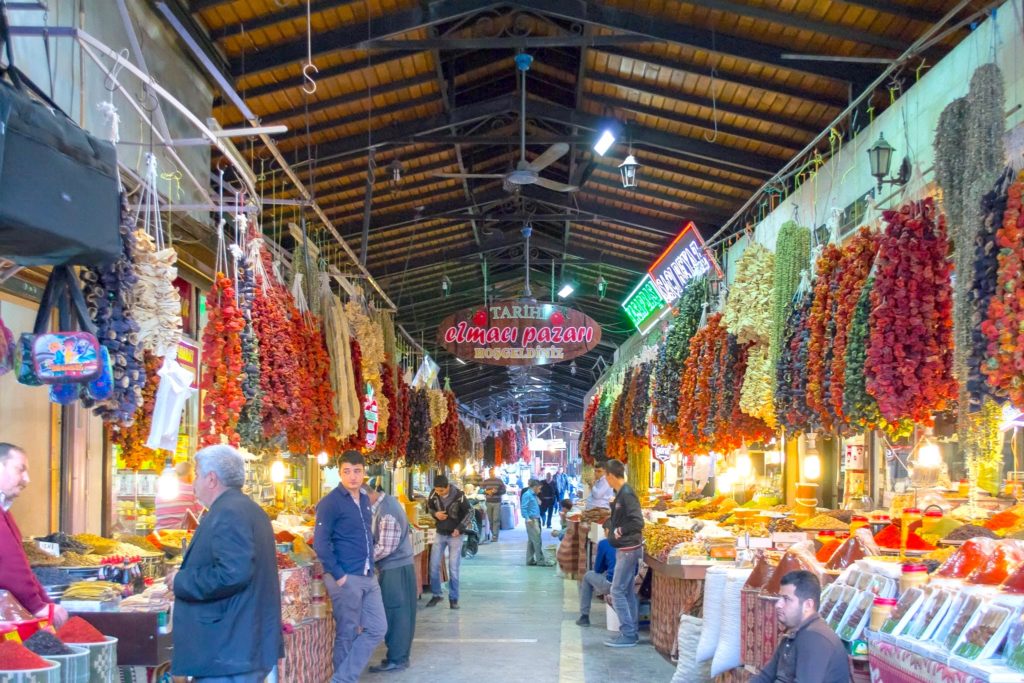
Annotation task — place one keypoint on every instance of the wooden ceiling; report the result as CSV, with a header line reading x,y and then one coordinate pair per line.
x,y
714,95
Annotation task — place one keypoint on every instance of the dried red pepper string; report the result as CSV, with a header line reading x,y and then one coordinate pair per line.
x,y
222,361
820,341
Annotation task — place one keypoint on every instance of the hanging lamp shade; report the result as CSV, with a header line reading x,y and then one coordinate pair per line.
x,y
880,158
627,171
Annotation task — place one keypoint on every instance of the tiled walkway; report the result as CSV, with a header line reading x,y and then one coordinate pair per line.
x,y
516,623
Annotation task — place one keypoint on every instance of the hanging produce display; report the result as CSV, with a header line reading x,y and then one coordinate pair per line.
x,y
438,407
791,409
909,355
640,405
1004,327
311,430
222,359
446,434
156,303
615,445
108,293
821,329
739,427
347,406
695,397
371,341
587,433
250,421
984,447
672,357
419,447
749,308
758,389
357,440
132,439
792,257
857,259
599,440
390,393
985,286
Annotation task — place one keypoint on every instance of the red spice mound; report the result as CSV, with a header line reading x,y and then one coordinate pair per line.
x,y
825,552
78,630
16,657
889,537
1008,556
972,555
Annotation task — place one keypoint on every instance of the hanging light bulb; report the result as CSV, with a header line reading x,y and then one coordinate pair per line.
x,y
167,486
446,285
322,458
277,472
812,460
928,454
602,287
469,469
457,467
396,169
743,465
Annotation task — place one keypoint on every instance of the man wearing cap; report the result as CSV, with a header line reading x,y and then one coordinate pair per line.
x,y
448,505
393,557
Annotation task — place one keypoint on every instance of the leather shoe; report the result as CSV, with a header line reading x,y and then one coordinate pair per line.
x,y
388,666
434,600
454,604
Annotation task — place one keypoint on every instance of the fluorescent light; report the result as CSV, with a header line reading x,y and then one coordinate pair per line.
x,y
460,360
605,142
566,290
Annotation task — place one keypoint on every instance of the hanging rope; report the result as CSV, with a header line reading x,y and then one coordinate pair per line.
x,y
149,204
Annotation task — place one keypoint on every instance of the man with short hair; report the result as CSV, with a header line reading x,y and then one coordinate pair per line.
x,y
227,595
563,489
624,529
810,652
343,540
530,507
547,500
601,492
393,557
15,574
448,505
493,488
597,581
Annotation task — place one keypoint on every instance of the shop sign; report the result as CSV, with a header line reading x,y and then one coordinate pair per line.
x,y
518,332
644,305
188,358
685,259
854,459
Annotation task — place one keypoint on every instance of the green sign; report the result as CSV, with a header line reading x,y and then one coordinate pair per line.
x,y
644,304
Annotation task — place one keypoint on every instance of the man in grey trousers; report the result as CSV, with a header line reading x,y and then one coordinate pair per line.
x,y
494,488
393,556
343,540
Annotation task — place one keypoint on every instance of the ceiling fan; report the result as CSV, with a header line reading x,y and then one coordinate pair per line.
x,y
526,172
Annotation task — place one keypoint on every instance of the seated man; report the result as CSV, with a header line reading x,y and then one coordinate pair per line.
x,y
809,652
598,580
601,492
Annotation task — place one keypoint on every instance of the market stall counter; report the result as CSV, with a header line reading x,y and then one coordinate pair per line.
x,y
675,589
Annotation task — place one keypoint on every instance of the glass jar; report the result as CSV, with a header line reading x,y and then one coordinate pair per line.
x,y
931,518
913,576
856,522
880,611
878,522
909,517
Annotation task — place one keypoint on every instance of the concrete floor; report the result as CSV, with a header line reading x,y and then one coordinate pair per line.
x,y
516,623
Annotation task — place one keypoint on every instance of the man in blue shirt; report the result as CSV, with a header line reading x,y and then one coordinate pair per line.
x,y
597,580
343,540
531,513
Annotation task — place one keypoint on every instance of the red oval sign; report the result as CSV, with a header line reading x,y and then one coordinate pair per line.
x,y
518,332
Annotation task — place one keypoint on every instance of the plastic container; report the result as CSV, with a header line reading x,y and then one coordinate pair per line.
x,y
909,516
879,522
930,519
958,625
913,575
102,660
856,522
857,618
881,609
846,596
904,611
50,674
1014,650
930,615
985,632
74,668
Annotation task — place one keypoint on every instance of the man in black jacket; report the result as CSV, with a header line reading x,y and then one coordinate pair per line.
x,y
227,607
548,496
447,505
625,533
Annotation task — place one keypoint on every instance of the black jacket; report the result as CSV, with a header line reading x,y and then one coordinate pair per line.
x,y
227,607
627,517
458,511
812,653
547,492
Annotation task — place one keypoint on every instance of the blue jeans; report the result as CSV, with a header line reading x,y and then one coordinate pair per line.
x,y
454,545
624,598
592,583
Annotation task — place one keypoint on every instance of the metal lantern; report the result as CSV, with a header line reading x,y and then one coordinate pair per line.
x,y
446,286
880,157
627,171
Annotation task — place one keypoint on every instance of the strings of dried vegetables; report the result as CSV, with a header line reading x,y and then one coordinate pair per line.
x,y
312,431
599,436
108,292
587,433
222,360
156,302
791,409
279,358
984,288
390,393
347,406
132,439
357,440
672,357
748,310
695,396
858,256
792,257
250,421
909,361
446,434
371,341
438,407
821,328
615,444
419,445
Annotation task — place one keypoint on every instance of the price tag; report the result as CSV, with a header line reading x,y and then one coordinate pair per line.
x,y
49,548
789,537
755,542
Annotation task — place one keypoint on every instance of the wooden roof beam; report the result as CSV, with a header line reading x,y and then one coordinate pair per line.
x,y
664,29
287,14
354,35
380,59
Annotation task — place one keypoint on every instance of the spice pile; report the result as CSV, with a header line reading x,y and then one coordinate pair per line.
x,y
16,657
45,643
78,630
825,522
660,539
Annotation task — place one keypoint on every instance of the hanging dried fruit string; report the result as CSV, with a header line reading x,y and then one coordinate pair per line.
x,y
599,438
820,340
791,371
640,405
615,446
672,357
792,257
392,431
695,397
419,447
446,434
132,439
587,433
222,359
1004,327
108,293
858,256
909,361
357,440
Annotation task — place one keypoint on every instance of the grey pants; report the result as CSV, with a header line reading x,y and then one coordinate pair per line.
x,y
534,549
398,590
356,604
494,516
592,583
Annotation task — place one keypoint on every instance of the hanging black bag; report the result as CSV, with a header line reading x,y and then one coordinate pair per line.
x,y
58,184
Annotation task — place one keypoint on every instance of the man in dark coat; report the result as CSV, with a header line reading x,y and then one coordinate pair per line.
x,y
548,497
227,607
